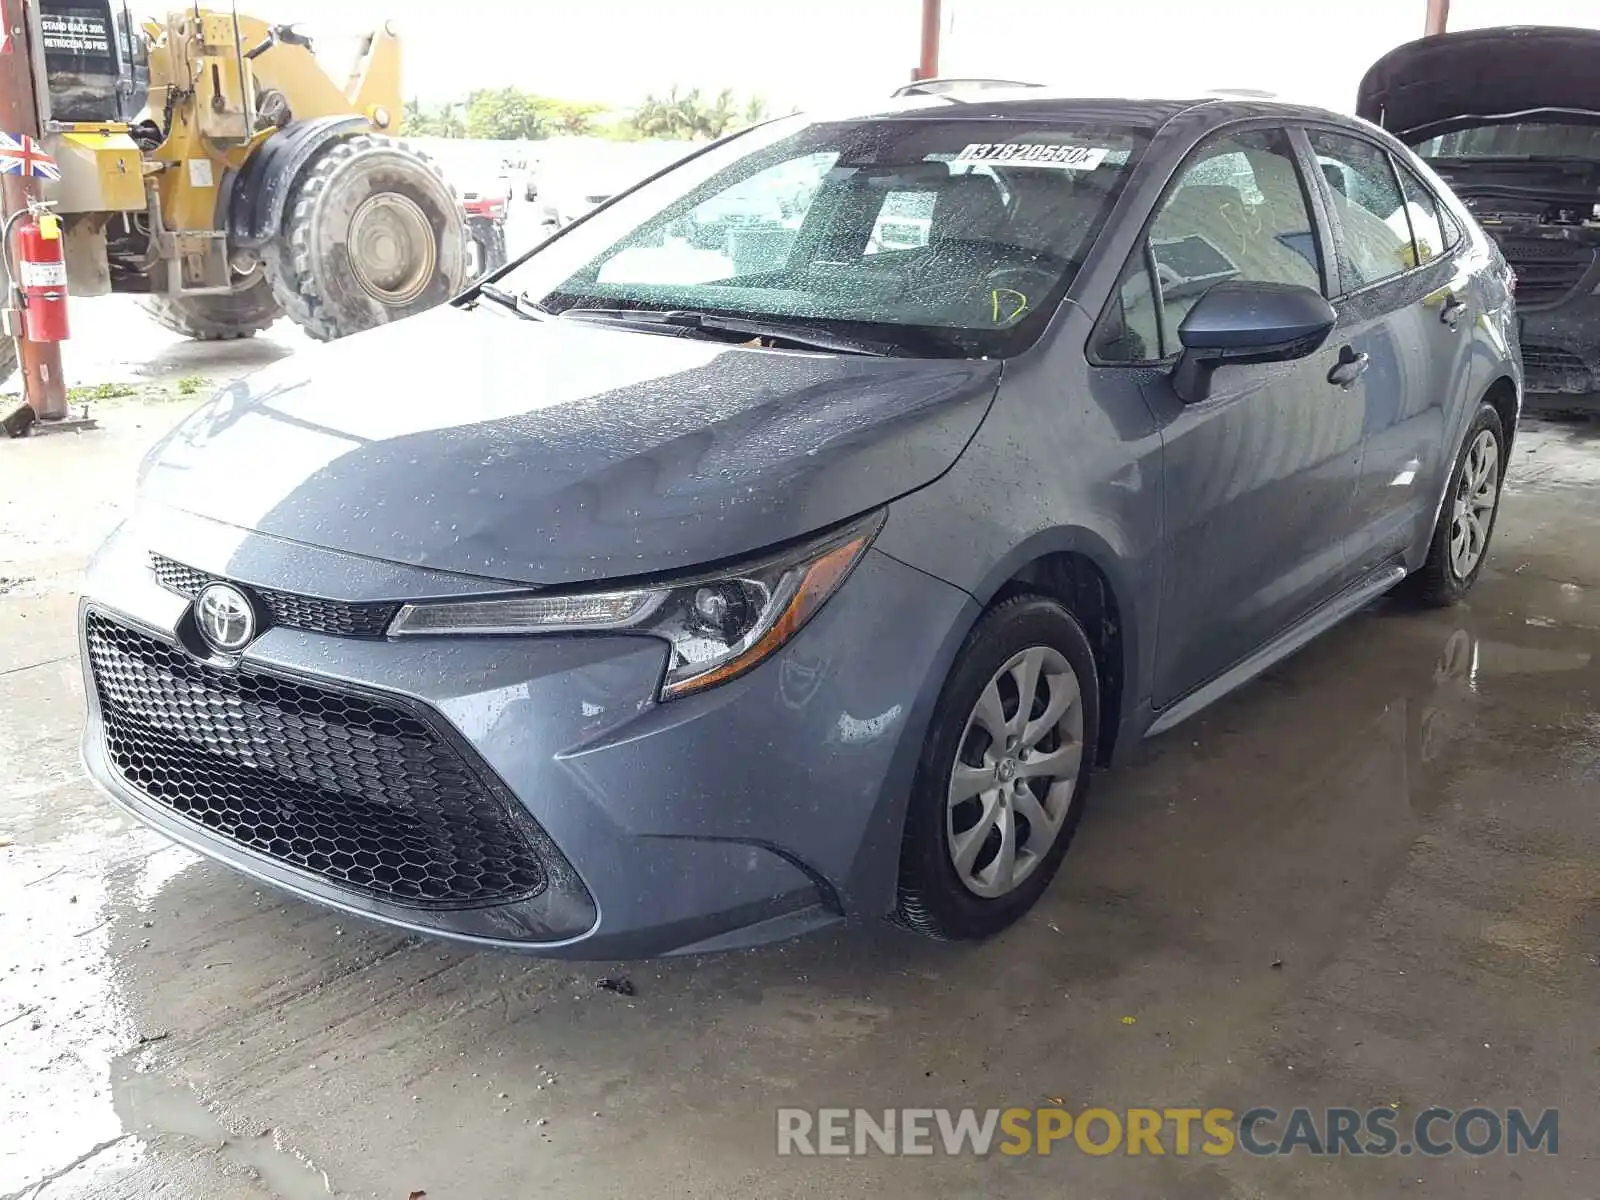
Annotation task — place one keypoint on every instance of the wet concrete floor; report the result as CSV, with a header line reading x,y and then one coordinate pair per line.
x,y
1370,879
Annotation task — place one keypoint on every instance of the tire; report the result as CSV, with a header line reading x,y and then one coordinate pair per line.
x,y
371,234
937,897
241,314
487,249
1445,577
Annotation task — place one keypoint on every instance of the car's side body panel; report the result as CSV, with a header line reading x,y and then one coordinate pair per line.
x,y
1104,462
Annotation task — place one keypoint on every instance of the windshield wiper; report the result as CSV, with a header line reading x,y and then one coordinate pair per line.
x,y
517,303
713,323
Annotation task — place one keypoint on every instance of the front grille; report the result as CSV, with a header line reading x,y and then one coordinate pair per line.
x,y
363,793
286,609
1547,270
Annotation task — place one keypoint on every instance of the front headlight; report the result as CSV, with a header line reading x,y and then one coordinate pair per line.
x,y
718,625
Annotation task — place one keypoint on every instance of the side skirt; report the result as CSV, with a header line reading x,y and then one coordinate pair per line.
x,y
1315,624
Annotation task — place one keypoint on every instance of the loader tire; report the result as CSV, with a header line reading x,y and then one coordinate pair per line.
x,y
486,251
241,314
371,233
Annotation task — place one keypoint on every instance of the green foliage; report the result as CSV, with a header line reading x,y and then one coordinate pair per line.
x,y
617,131
510,114
507,114
100,391
189,385
445,121
575,118
686,115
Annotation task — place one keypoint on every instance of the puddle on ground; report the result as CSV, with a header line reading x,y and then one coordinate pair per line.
x,y
153,1108
1551,454
81,1067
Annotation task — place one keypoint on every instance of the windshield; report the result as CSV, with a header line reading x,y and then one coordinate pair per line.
x,y
1524,139
931,236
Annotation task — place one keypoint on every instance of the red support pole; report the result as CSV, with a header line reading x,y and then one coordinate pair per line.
x,y
42,385
928,64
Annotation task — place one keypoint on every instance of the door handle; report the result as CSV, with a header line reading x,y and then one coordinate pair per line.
x,y
1350,367
1453,309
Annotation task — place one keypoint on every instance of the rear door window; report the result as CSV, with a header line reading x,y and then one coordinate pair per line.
x,y
1428,229
1369,207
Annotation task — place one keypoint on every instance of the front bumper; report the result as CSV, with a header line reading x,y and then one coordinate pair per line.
x,y
762,808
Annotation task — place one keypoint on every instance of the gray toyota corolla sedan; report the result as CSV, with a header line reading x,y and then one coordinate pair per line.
x,y
787,540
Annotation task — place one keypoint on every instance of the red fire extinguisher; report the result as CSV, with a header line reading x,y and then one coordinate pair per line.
x,y
42,276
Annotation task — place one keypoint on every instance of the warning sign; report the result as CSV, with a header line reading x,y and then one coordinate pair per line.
x,y
77,39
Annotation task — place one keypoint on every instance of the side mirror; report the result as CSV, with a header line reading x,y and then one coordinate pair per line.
x,y
1239,322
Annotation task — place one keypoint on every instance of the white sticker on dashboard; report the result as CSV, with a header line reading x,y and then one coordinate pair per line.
x,y
1032,154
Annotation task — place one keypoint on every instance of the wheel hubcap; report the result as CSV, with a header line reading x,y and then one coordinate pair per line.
x,y
1015,772
1472,514
392,248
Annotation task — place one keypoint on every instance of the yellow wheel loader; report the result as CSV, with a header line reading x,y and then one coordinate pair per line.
x,y
210,165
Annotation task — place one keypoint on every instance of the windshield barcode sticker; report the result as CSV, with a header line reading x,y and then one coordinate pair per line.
x,y
1032,154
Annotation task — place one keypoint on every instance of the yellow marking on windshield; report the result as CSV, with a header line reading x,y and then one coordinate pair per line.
x,y
1015,298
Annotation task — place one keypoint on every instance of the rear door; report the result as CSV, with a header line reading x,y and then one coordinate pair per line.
x,y
1258,477
1401,305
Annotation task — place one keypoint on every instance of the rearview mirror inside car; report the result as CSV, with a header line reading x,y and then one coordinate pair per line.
x,y
1238,322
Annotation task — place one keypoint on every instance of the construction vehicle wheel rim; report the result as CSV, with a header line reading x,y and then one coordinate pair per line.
x,y
392,249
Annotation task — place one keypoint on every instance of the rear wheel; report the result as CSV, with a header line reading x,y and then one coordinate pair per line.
x,y
1004,773
1466,521
245,312
371,234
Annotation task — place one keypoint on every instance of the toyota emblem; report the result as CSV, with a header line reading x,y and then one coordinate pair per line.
x,y
225,618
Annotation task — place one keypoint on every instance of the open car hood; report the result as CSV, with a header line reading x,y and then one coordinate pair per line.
x,y
1457,80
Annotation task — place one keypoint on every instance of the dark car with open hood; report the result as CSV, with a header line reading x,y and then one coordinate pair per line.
x,y
1510,119
672,593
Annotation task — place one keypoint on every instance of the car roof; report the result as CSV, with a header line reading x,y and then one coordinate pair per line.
x,y
1032,103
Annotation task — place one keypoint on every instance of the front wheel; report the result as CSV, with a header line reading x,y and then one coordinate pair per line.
x,y
1466,520
1004,774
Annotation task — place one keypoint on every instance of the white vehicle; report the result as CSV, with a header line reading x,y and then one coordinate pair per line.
x,y
567,192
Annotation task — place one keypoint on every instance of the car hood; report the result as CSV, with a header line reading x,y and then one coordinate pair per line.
x,y
558,452
1456,80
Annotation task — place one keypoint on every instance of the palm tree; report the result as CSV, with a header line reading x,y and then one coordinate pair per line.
x,y
449,122
688,112
649,118
721,116
755,110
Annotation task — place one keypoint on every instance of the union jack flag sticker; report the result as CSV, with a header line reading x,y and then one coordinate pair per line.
x,y
22,156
